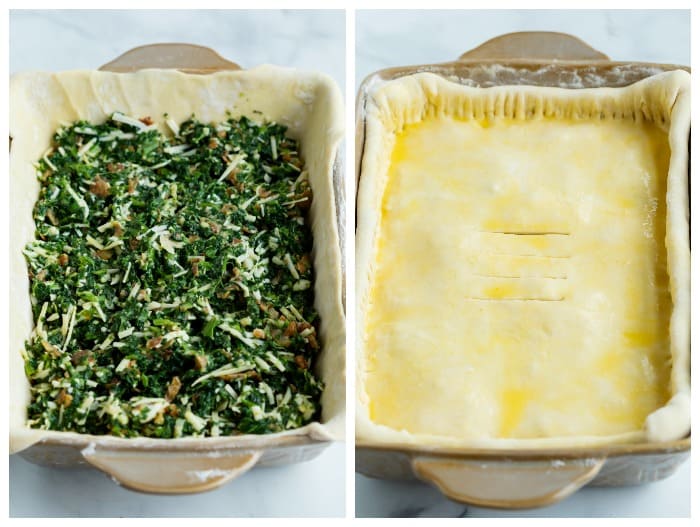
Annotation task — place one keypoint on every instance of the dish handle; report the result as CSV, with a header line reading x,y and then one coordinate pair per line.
x,y
171,472
509,483
535,45
188,58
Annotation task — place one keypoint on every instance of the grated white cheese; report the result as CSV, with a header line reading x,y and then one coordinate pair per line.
x,y
116,134
287,397
206,306
265,388
197,422
121,118
178,334
39,323
80,201
72,310
114,409
296,312
230,391
294,202
84,130
261,362
173,126
97,307
106,342
274,360
115,242
227,369
161,164
201,289
51,165
105,226
154,306
125,333
251,343
301,285
232,165
269,198
177,429
247,203
126,273
86,147
258,412
86,405
290,266
288,314
94,242
152,405
177,149
123,364
134,289
169,245
158,229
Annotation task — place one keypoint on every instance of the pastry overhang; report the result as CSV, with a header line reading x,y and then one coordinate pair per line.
x,y
525,260
308,103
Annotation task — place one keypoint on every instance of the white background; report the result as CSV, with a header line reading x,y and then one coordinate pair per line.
x,y
400,38
55,40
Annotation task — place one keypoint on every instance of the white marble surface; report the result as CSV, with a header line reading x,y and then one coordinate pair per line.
x,y
311,40
398,38
312,489
73,40
669,498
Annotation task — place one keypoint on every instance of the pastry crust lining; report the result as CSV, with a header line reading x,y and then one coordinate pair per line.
x,y
308,103
662,99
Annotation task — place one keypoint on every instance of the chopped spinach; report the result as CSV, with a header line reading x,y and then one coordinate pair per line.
x,y
171,281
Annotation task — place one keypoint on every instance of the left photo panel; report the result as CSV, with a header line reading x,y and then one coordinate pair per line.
x,y
176,281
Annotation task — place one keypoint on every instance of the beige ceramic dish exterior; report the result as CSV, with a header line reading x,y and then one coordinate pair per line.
x,y
185,465
514,479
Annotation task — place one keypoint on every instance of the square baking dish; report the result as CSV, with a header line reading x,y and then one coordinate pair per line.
x,y
206,85
521,472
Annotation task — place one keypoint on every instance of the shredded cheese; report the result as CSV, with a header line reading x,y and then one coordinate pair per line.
x,y
121,118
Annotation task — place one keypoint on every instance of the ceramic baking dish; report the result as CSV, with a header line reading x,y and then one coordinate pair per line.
x,y
208,86
514,477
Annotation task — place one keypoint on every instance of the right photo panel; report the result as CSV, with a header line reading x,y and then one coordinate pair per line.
x,y
522,258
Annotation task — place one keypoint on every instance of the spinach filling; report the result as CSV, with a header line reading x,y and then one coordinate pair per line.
x,y
171,281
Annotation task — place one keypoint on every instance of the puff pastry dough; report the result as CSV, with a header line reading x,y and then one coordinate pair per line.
x,y
523,264
308,103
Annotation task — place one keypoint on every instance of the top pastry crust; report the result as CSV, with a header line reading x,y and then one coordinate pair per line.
x,y
309,104
523,264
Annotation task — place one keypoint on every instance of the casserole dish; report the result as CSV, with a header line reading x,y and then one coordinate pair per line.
x,y
502,444
207,86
